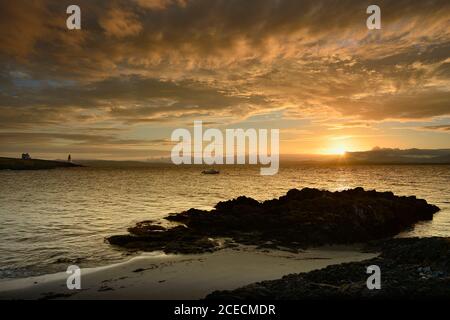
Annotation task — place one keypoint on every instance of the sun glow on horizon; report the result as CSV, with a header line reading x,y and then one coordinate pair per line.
x,y
339,150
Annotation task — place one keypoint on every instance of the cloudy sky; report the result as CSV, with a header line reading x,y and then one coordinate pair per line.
x,y
138,69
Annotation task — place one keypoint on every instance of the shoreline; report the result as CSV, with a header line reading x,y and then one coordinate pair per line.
x,y
175,276
408,268
34,164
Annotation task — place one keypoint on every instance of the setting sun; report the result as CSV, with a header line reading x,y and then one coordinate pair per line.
x,y
338,150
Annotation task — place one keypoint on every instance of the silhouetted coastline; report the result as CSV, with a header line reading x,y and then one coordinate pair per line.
x,y
33,164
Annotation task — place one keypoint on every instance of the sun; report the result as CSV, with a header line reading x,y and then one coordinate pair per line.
x,y
339,150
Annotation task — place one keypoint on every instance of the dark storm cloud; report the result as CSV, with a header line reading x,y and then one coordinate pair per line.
x,y
141,32
132,89
144,61
128,99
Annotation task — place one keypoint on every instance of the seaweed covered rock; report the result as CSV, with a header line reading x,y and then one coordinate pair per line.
x,y
175,240
411,268
300,218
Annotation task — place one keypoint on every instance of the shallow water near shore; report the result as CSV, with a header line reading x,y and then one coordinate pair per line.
x,y
161,276
52,218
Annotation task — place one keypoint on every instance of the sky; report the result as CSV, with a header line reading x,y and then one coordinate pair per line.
x,y
138,69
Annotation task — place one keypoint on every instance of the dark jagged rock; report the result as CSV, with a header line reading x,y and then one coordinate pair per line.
x,y
175,240
301,218
145,227
411,268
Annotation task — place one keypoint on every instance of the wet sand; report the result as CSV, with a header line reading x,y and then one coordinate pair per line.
x,y
160,276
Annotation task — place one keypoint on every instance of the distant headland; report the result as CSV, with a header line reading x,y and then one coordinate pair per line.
x,y
33,164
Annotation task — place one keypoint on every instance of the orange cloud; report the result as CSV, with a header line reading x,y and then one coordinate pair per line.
x,y
120,23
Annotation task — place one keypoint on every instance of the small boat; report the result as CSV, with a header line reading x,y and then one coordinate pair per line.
x,y
210,171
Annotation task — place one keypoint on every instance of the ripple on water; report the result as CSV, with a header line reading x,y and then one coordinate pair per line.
x,y
53,217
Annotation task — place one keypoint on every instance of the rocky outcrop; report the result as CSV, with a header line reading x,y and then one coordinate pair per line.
x,y
301,218
411,268
148,237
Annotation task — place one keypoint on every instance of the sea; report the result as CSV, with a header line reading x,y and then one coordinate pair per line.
x,y
50,219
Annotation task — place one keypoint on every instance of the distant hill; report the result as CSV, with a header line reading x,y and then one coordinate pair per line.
x,y
398,156
375,156
33,164
119,163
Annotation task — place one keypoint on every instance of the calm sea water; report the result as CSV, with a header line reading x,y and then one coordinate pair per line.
x,y
50,219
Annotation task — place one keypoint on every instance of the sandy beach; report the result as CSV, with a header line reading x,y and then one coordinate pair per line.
x,y
160,276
